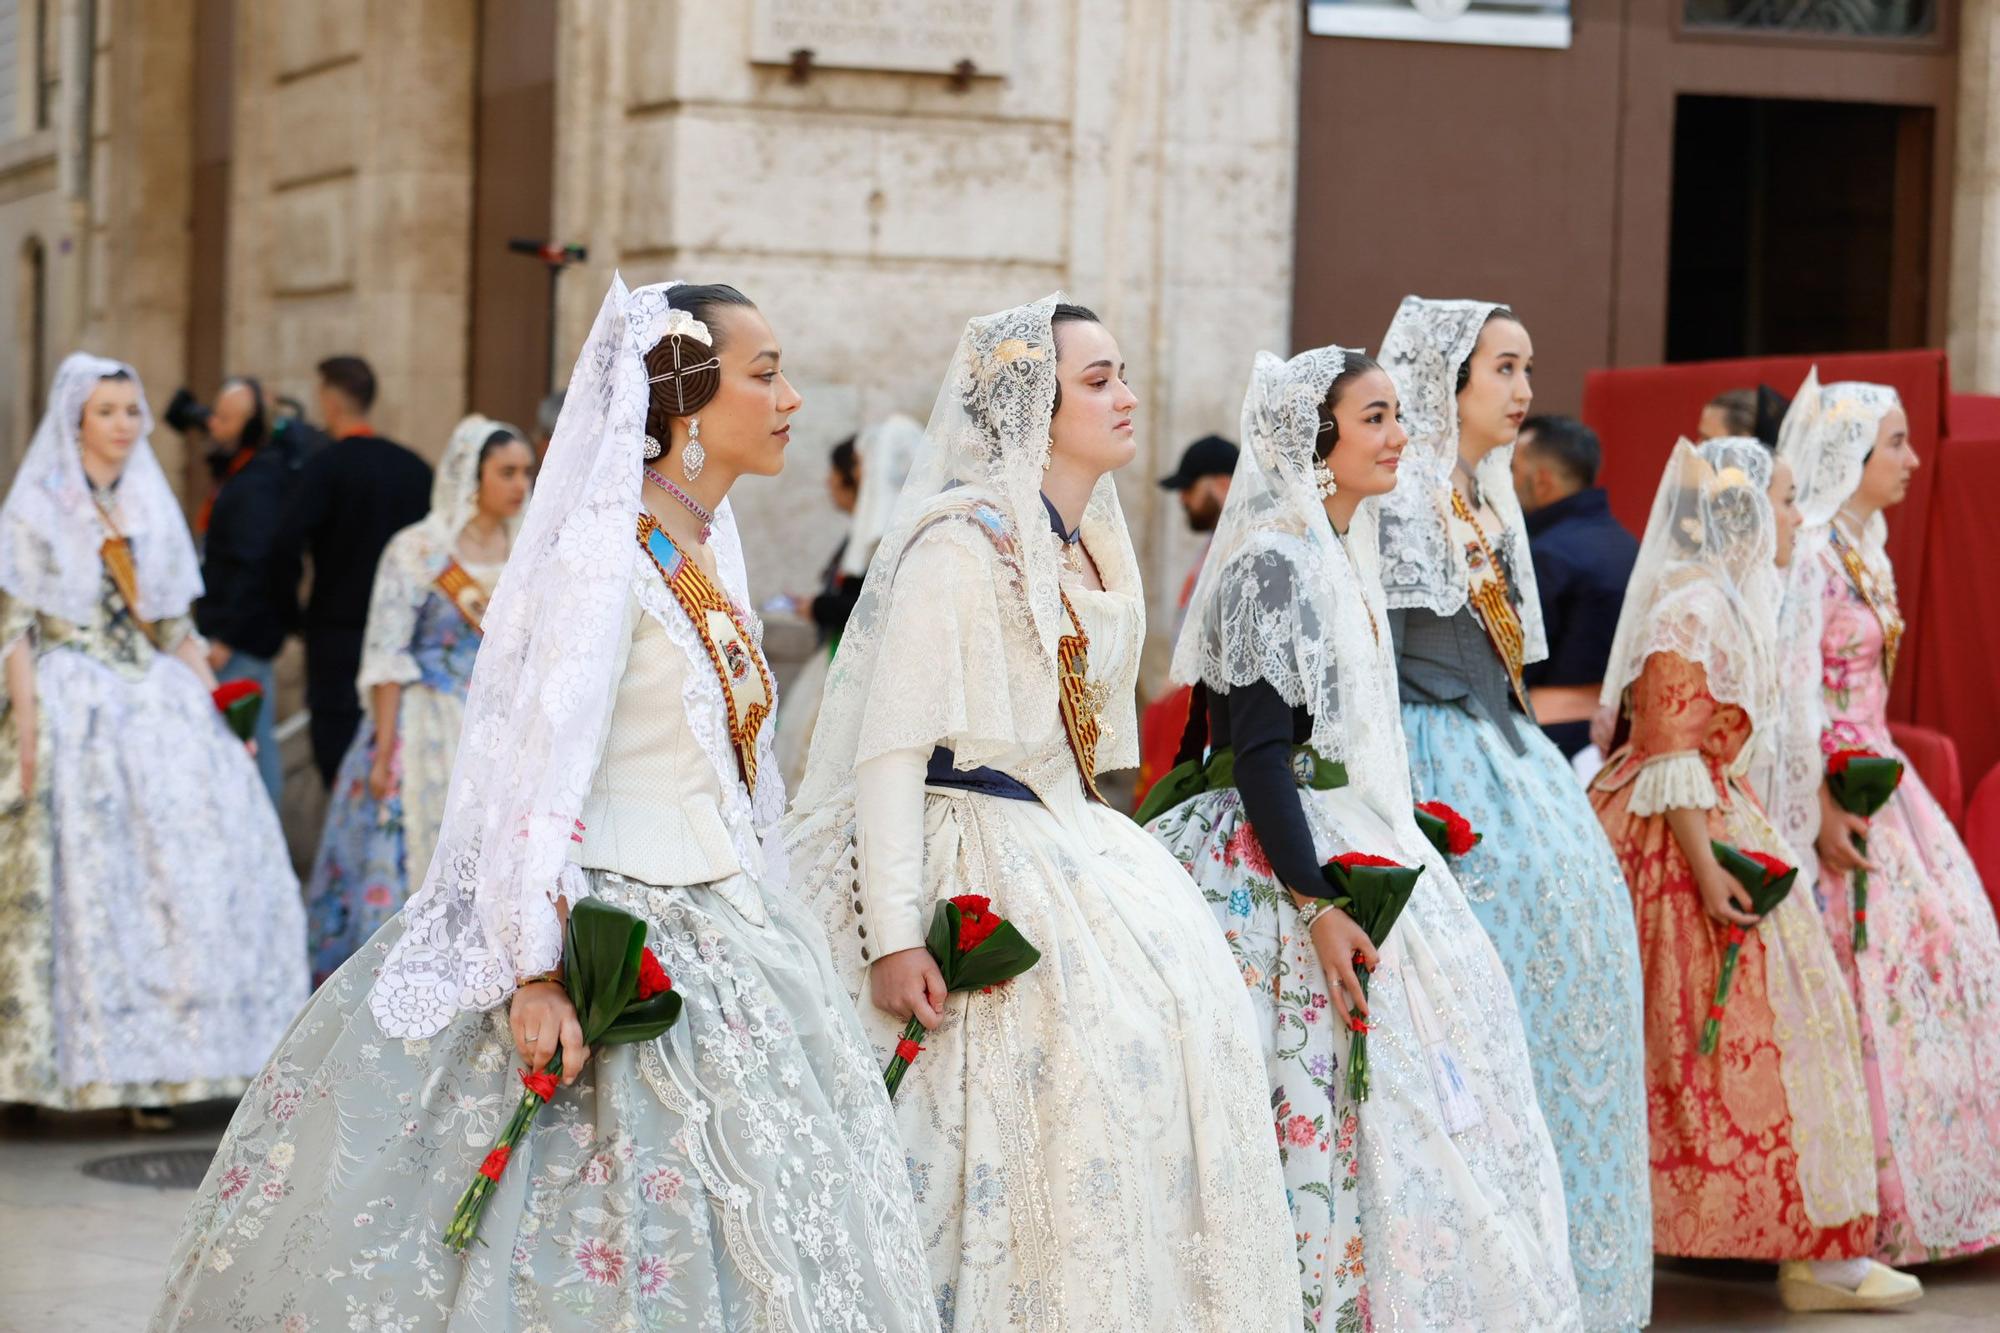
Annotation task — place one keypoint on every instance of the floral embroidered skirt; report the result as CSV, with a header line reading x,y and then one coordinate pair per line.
x,y
374,854
1548,891
741,1172
1406,1213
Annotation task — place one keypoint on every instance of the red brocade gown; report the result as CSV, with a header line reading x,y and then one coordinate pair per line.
x,y
1761,1150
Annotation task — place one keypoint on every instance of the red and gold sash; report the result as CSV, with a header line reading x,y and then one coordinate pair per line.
x,y
1486,590
463,591
117,556
1880,600
747,690
1078,700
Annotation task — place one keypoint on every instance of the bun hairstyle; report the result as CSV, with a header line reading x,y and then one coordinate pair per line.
x,y
1065,313
684,371
499,437
1465,366
1356,365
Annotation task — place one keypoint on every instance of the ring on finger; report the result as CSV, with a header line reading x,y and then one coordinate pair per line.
x,y
534,1036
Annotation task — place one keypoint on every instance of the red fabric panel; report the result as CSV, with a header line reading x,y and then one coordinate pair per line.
x,y
1160,729
1936,761
1975,416
1956,674
1982,834
1639,413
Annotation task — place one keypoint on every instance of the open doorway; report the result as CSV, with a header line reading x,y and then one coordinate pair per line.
x,y
1798,226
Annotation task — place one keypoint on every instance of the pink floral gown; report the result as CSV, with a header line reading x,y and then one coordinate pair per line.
x,y
1928,984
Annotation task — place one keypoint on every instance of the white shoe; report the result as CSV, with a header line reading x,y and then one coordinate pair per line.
x,y
1881,1289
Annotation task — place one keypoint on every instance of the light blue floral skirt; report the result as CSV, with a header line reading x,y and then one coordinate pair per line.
x,y
1546,885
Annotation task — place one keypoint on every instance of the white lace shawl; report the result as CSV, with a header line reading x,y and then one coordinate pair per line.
x,y
1422,567
540,696
1705,585
1277,600
887,451
50,530
1826,438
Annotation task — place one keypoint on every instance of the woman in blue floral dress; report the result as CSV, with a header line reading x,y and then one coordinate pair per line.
x,y
423,633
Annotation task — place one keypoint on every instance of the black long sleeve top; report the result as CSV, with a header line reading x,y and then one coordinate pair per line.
x,y
1256,722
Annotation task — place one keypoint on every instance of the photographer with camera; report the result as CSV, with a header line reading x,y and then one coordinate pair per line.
x,y
255,462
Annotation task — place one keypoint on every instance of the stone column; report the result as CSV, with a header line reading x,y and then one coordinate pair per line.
x,y
1974,336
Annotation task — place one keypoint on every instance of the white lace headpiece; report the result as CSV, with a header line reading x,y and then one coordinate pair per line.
x,y
455,486
886,450
50,531
541,695
1828,434
1705,585
1422,567
1277,599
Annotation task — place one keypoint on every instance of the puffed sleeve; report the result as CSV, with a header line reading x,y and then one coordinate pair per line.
x,y
1671,712
399,593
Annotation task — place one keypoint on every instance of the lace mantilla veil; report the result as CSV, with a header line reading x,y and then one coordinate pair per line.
x,y
1421,566
1705,585
1282,599
1827,436
982,456
50,531
455,490
540,697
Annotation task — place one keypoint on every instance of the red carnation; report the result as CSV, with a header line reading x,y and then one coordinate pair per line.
x,y
1353,859
495,1163
906,1050
976,920
1459,837
1773,867
653,978
542,1085
232,691
1838,761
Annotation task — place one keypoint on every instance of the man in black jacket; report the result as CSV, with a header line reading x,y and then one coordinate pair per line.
x,y
352,496
255,464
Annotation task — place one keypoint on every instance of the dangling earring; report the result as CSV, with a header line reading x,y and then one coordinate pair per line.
x,y
1324,481
652,449
694,457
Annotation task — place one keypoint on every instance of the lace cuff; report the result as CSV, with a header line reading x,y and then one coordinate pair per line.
x,y
1677,781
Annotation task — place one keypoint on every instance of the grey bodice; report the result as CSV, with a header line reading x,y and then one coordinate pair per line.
x,y
1449,660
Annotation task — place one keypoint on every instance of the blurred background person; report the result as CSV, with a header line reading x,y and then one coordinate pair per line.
x,y
1582,559
431,590
351,498
546,414
254,465
1750,413
151,937
1202,481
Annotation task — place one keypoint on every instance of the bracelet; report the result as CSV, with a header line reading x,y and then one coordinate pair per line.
x,y
553,974
1310,914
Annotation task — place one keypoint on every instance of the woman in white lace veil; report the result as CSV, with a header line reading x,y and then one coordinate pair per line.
x,y
884,453
741,1170
1927,984
1090,1144
1287,647
1466,617
1759,1147
133,825
423,634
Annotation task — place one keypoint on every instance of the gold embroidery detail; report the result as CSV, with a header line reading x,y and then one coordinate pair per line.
x,y
463,592
1879,600
1486,590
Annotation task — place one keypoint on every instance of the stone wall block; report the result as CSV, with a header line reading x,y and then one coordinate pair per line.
x,y
312,236
306,34
316,124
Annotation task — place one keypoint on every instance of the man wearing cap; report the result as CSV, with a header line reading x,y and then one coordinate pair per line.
x,y
1203,482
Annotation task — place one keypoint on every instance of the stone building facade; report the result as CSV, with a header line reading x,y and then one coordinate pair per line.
x,y
202,186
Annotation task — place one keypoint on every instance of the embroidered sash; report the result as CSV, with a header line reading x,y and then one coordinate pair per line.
x,y
463,592
117,556
1486,590
1079,700
1880,600
747,691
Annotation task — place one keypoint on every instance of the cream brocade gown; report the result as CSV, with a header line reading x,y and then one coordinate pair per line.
x,y
1089,1146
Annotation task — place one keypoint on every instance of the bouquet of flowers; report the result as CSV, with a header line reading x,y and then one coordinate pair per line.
x,y
239,702
621,995
1373,890
1767,880
1861,782
976,949
1449,831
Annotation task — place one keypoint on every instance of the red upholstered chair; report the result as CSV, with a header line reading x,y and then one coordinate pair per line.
x,y
1982,833
1936,759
